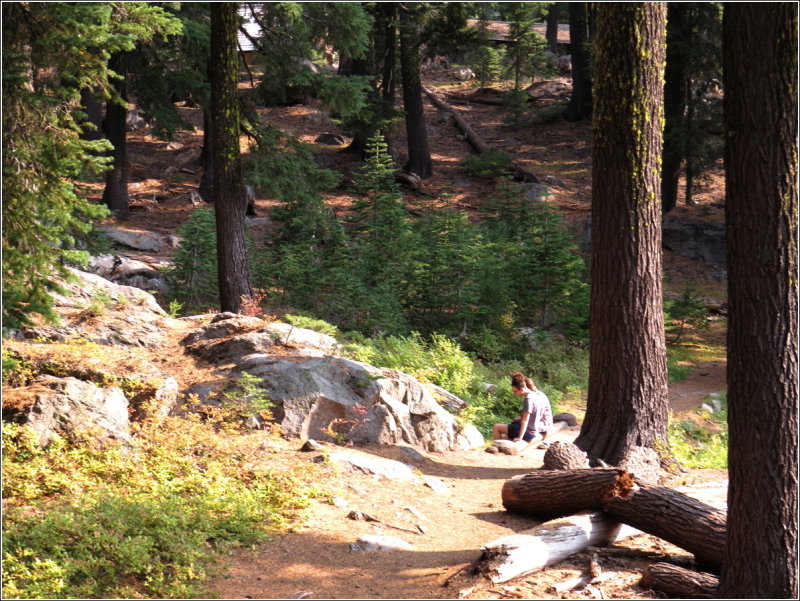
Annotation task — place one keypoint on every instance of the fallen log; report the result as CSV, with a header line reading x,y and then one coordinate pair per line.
x,y
679,582
474,139
673,516
548,494
545,545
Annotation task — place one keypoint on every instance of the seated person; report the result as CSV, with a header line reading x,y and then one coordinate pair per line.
x,y
537,416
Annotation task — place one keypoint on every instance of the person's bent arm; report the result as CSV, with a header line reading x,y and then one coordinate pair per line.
x,y
523,425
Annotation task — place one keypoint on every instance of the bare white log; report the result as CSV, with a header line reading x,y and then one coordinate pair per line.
x,y
545,545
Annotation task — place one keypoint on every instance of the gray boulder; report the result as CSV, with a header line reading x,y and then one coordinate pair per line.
x,y
107,313
700,240
363,404
136,239
237,349
76,409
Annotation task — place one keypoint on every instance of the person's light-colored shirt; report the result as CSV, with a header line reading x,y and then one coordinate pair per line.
x,y
541,415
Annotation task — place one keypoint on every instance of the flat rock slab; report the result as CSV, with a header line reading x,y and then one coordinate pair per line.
x,y
374,542
390,469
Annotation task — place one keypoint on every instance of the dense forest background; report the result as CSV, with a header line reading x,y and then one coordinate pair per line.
x,y
376,247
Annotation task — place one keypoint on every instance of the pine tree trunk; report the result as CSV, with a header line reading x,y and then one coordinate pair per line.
x,y
760,105
627,399
115,195
206,160
551,31
675,94
227,190
94,115
580,103
419,156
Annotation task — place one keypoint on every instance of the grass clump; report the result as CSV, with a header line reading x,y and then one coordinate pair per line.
x,y
701,446
144,521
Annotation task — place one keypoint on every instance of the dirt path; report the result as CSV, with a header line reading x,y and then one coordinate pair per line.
x,y
317,559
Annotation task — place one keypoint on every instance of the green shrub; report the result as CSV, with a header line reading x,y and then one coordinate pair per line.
x,y
489,163
193,277
310,323
439,360
142,522
687,310
487,62
699,447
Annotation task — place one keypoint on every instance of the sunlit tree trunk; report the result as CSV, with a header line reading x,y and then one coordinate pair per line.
x,y
760,58
627,403
227,190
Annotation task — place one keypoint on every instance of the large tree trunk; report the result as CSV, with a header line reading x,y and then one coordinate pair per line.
x,y
580,103
545,545
677,518
206,159
676,84
627,401
551,31
548,494
760,57
115,195
94,116
679,582
419,156
227,191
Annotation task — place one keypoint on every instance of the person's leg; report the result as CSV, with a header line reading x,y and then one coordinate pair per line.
x,y
499,431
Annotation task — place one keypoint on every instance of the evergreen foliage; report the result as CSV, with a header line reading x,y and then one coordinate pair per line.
x,y
487,62
50,52
193,277
381,238
445,286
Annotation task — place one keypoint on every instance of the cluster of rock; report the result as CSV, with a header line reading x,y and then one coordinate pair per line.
x,y
316,390
317,393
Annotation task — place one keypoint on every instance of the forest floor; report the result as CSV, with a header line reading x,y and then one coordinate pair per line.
x,y
315,559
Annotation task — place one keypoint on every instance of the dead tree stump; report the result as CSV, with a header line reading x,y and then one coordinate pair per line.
x,y
564,456
679,582
549,494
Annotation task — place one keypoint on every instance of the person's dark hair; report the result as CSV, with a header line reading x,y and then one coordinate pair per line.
x,y
519,380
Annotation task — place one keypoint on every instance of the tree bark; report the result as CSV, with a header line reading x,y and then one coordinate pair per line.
x,y
545,545
227,190
548,494
677,518
206,160
94,115
627,399
580,103
419,155
676,86
679,582
551,31
115,195
760,56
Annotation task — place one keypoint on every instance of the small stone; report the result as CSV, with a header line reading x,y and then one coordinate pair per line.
x,y
311,445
